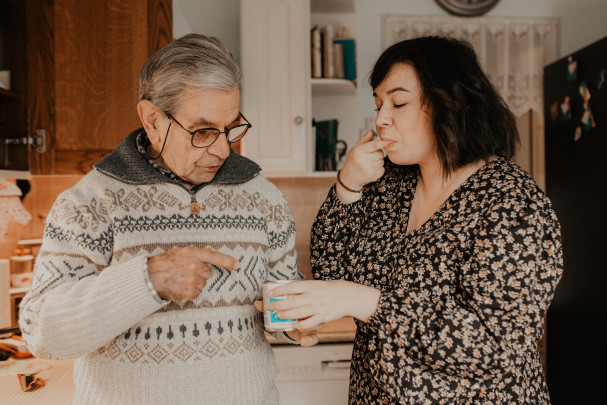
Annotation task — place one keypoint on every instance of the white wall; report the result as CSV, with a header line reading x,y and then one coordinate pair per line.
x,y
217,18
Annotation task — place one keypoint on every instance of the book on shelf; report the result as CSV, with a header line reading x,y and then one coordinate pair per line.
x,y
326,141
316,56
327,40
338,60
333,52
349,57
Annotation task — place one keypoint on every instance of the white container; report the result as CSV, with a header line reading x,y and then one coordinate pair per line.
x,y
21,279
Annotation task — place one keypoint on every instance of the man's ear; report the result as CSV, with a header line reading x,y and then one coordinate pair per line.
x,y
149,115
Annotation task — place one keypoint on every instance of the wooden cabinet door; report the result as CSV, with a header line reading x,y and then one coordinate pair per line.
x,y
276,92
84,59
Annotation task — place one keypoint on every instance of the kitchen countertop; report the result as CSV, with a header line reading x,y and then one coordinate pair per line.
x,y
59,388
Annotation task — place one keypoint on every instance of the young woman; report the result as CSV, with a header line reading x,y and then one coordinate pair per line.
x,y
445,252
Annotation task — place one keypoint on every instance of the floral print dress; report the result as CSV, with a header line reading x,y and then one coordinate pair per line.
x,y
463,297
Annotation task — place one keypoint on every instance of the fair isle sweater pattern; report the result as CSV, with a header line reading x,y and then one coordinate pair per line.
x,y
236,334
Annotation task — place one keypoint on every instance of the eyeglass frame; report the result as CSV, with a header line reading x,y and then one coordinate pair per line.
x,y
226,132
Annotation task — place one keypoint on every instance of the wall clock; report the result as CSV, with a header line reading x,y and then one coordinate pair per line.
x,y
467,8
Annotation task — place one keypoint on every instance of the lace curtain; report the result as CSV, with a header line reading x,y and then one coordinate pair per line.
x,y
513,52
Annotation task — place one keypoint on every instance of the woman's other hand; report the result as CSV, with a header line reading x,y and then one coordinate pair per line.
x,y
364,164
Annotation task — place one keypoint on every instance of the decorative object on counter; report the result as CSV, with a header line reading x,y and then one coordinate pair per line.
x,y
22,268
326,140
11,208
30,382
5,297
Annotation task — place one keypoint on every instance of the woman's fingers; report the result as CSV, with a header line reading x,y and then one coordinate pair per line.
x,y
314,322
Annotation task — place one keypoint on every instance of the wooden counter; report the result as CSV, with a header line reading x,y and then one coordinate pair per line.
x,y
59,388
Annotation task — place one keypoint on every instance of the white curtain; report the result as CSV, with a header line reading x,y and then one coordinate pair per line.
x,y
513,52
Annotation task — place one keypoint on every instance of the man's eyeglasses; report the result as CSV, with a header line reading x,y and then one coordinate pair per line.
x,y
203,137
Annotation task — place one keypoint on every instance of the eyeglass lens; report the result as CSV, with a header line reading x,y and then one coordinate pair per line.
x,y
204,137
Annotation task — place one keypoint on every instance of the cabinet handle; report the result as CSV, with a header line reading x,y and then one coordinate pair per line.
x,y
298,120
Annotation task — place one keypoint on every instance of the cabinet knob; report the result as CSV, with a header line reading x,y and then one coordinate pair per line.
x,y
298,120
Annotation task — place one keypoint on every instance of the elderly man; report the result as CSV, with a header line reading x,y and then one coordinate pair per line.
x,y
151,265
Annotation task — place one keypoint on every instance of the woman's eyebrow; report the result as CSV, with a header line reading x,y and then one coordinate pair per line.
x,y
393,91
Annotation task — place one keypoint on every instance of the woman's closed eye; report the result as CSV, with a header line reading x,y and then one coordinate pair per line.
x,y
395,106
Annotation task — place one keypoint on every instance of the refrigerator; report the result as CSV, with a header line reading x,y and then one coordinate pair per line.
x,y
575,102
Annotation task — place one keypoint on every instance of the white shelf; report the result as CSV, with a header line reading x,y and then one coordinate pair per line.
x,y
18,290
330,87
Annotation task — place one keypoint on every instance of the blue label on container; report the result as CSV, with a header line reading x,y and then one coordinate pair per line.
x,y
273,316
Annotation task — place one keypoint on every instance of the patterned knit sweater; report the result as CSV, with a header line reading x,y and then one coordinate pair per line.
x,y
91,298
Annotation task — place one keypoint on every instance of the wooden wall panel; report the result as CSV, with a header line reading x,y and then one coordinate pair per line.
x,y
99,49
41,80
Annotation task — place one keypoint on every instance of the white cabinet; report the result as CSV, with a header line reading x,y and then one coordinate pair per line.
x,y
278,95
275,85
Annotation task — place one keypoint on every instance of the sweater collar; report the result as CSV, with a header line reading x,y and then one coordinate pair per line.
x,y
126,164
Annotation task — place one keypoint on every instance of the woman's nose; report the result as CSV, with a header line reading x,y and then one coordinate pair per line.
x,y
383,118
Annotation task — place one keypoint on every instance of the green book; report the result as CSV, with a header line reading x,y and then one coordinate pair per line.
x,y
349,52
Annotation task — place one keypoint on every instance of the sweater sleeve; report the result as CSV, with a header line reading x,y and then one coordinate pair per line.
x,y
80,300
281,254
505,285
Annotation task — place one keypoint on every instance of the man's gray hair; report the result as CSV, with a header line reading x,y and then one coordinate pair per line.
x,y
193,60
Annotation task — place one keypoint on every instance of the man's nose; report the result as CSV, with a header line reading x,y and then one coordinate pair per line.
x,y
220,148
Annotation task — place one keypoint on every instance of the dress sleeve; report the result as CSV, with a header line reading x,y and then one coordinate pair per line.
x,y
78,300
336,227
495,313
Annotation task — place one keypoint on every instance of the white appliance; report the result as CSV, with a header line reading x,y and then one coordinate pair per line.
x,y
317,375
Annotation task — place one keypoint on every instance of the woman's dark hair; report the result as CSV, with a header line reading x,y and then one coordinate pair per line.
x,y
470,119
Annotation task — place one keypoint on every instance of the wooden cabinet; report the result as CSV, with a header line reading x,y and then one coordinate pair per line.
x,y
279,97
80,66
13,108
